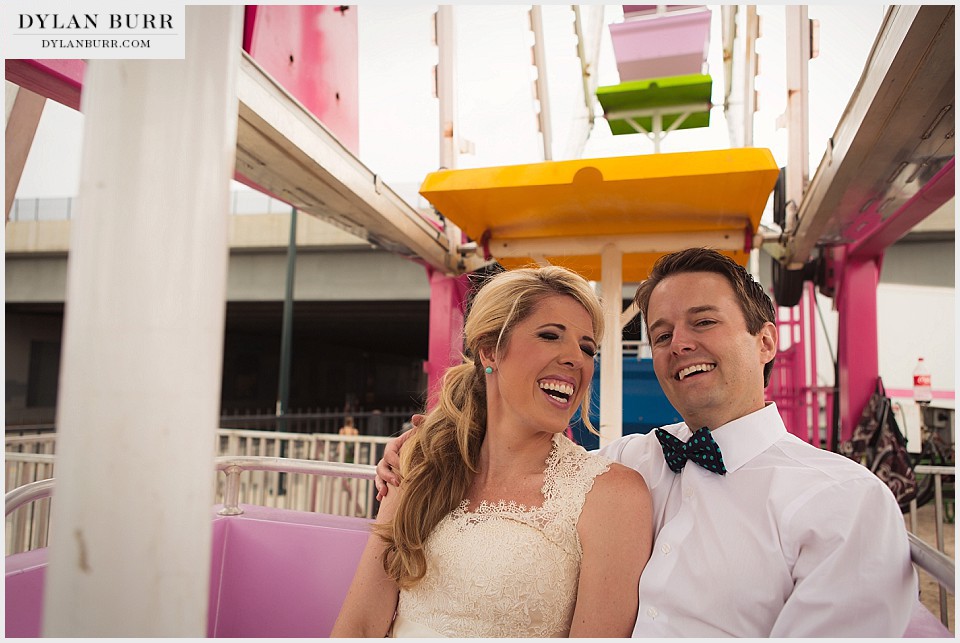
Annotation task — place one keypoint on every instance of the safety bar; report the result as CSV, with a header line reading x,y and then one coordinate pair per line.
x,y
232,466
935,563
36,490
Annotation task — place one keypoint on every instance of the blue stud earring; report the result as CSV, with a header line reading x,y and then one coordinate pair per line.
x,y
488,370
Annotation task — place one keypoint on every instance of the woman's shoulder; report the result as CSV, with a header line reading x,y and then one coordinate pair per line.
x,y
619,496
619,479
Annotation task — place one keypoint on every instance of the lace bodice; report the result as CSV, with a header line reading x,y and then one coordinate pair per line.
x,y
506,570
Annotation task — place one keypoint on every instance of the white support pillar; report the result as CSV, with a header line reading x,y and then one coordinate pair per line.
x,y
798,161
543,93
447,94
142,345
752,29
611,356
446,86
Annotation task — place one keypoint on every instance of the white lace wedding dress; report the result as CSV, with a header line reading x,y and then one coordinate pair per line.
x,y
506,570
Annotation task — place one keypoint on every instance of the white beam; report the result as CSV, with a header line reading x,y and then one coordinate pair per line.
x,y
798,164
611,354
628,244
447,96
672,110
543,92
139,397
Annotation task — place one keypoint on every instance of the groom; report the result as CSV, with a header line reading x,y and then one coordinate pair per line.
x,y
762,534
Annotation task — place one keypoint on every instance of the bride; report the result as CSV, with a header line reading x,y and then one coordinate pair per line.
x,y
502,526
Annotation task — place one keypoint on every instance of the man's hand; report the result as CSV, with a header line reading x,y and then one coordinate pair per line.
x,y
388,465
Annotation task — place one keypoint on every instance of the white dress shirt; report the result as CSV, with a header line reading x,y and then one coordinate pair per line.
x,y
792,541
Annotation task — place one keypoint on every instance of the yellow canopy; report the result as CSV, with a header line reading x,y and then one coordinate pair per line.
x,y
566,211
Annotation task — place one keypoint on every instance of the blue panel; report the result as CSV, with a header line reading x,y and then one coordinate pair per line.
x,y
645,407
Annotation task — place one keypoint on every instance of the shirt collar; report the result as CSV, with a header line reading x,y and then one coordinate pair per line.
x,y
747,437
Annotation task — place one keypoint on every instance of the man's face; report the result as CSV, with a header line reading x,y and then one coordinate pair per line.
x,y
709,365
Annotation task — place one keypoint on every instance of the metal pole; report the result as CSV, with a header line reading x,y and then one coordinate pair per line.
x,y
286,337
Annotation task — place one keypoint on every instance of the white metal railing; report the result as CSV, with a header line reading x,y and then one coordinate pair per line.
x,y
232,466
356,497
362,497
937,471
30,458
640,349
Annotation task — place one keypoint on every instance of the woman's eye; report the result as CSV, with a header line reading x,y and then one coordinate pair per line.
x,y
590,351
550,336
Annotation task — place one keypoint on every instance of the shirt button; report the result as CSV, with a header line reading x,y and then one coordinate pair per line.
x,y
665,548
652,612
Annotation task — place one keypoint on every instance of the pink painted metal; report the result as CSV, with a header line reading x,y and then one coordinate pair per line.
x,y
25,575
941,394
857,352
447,301
668,45
875,233
60,80
283,573
634,10
856,271
791,383
311,50
273,573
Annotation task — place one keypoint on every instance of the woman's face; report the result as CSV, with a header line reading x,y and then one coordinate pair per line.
x,y
542,373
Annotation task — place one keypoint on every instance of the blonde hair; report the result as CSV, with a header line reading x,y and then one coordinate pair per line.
x,y
440,459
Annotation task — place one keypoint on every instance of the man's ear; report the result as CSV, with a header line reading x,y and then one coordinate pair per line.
x,y
769,341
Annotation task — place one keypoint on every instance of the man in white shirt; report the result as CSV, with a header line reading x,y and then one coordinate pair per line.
x,y
770,536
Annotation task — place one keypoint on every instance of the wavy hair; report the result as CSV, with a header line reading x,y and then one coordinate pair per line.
x,y
439,461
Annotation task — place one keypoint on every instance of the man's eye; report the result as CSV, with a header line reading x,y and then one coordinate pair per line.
x,y
661,338
705,322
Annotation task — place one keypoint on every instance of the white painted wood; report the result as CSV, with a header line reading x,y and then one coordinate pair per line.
x,y
543,91
142,346
447,95
798,164
639,243
611,356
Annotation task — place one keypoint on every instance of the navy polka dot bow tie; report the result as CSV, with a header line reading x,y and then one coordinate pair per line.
x,y
701,448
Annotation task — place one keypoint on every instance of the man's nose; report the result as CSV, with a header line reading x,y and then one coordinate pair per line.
x,y
682,341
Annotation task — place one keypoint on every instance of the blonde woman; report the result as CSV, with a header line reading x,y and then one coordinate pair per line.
x,y
503,527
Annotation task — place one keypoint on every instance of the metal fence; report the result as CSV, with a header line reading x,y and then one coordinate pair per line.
x,y
30,458
384,422
938,473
